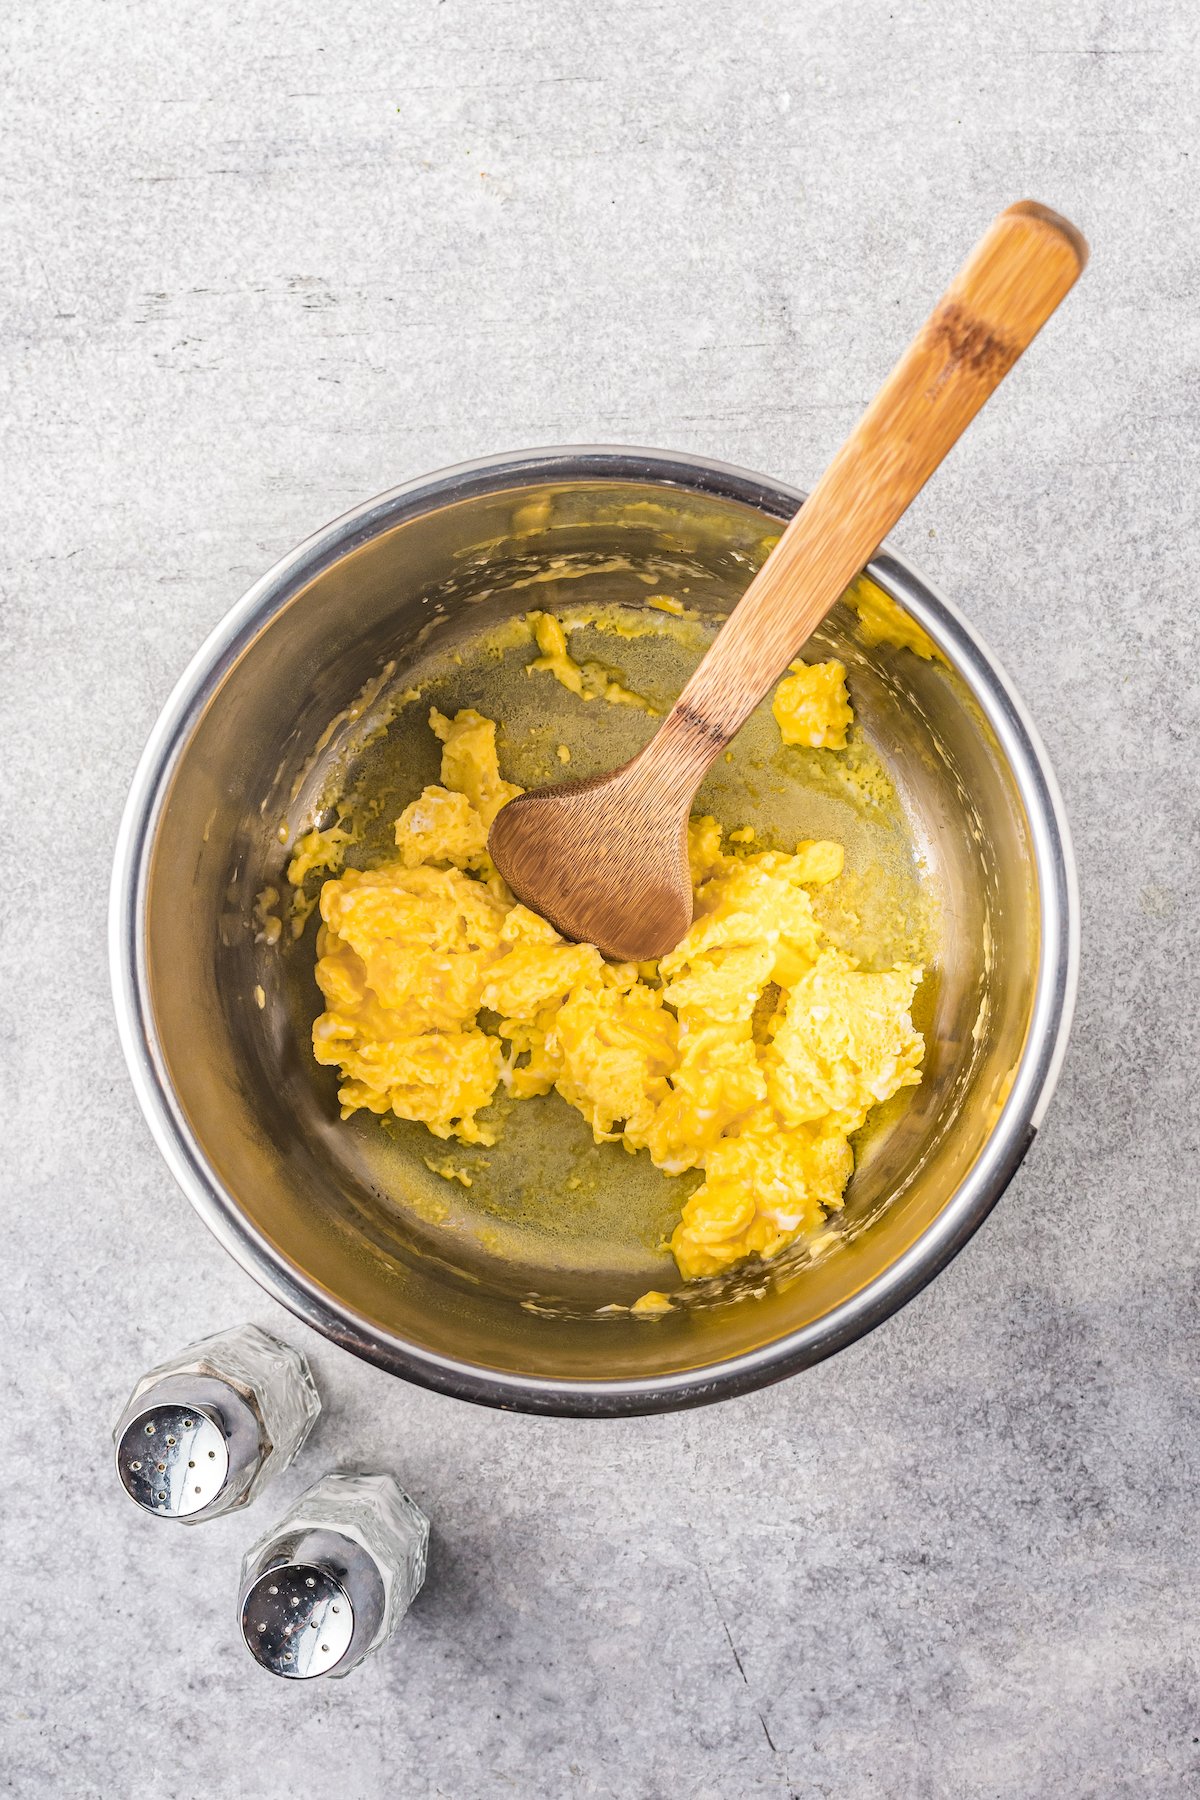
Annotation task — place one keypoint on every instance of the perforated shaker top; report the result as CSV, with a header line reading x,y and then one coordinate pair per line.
x,y
298,1620
173,1459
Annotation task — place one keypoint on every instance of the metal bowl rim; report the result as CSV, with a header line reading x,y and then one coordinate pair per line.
x,y
1033,1085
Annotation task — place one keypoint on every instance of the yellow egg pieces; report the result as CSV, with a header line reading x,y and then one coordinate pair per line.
x,y
752,1053
812,706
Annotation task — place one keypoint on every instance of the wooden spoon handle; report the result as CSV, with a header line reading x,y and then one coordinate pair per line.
x,y
1004,293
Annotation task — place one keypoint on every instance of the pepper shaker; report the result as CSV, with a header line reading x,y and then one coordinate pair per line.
x,y
330,1583
205,1432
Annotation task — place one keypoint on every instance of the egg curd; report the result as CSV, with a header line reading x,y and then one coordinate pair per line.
x,y
752,1053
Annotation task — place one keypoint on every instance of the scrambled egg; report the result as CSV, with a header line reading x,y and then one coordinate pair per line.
x,y
882,622
751,1053
812,706
590,680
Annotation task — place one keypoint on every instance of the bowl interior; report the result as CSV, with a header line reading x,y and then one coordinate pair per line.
x,y
515,1283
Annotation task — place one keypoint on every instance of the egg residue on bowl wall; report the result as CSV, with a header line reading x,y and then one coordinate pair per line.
x,y
752,1053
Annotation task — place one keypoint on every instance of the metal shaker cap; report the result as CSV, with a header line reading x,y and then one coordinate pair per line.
x,y
188,1447
173,1459
298,1620
313,1605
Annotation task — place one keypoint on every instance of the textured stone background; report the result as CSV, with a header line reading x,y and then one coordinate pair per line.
x,y
261,261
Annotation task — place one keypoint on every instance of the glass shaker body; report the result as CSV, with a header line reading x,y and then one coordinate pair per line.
x,y
203,1433
329,1584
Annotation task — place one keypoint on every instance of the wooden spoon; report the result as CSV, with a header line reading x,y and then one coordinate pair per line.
x,y
606,860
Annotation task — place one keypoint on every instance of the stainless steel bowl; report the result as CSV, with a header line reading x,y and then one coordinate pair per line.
x,y
245,1120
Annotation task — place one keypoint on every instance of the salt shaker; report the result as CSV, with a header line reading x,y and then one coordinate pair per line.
x,y
332,1581
205,1432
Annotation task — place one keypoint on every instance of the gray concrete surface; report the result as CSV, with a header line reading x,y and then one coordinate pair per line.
x,y
261,261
